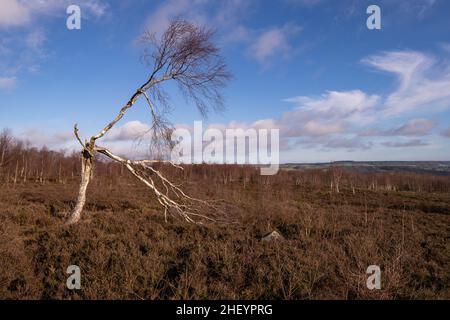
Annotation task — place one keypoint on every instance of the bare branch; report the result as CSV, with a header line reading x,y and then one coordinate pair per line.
x,y
186,54
75,131
173,200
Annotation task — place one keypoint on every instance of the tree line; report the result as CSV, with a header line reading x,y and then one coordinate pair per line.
x,y
22,163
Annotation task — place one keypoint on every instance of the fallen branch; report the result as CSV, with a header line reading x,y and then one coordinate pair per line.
x,y
173,199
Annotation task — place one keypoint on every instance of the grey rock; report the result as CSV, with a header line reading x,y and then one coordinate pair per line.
x,y
274,235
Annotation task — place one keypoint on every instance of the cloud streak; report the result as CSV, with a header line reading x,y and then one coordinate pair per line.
x,y
263,45
22,43
17,13
274,42
414,127
332,112
422,81
407,144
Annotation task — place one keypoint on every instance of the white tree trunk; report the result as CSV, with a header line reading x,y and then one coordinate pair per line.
x,y
86,173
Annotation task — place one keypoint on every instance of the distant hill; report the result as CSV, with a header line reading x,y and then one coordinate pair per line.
x,y
441,168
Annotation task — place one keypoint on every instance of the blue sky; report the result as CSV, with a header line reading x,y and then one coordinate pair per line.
x,y
335,89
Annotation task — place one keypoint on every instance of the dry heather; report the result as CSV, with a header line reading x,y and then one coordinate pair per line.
x,y
127,251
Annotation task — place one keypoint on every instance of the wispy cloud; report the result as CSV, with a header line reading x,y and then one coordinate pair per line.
x,y
331,112
407,144
13,13
414,127
129,131
16,13
24,33
422,81
263,45
223,15
39,138
21,54
159,20
274,42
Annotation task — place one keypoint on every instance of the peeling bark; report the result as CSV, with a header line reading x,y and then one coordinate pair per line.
x,y
86,174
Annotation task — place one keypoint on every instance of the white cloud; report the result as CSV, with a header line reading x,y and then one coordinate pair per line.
x,y
121,140
39,138
95,8
270,43
314,128
338,103
13,13
128,132
332,112
274,42
422,83
317,121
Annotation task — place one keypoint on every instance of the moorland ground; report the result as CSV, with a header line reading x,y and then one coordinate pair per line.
x,y
126,250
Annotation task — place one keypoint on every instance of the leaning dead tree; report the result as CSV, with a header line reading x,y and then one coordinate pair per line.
x,y
184,54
